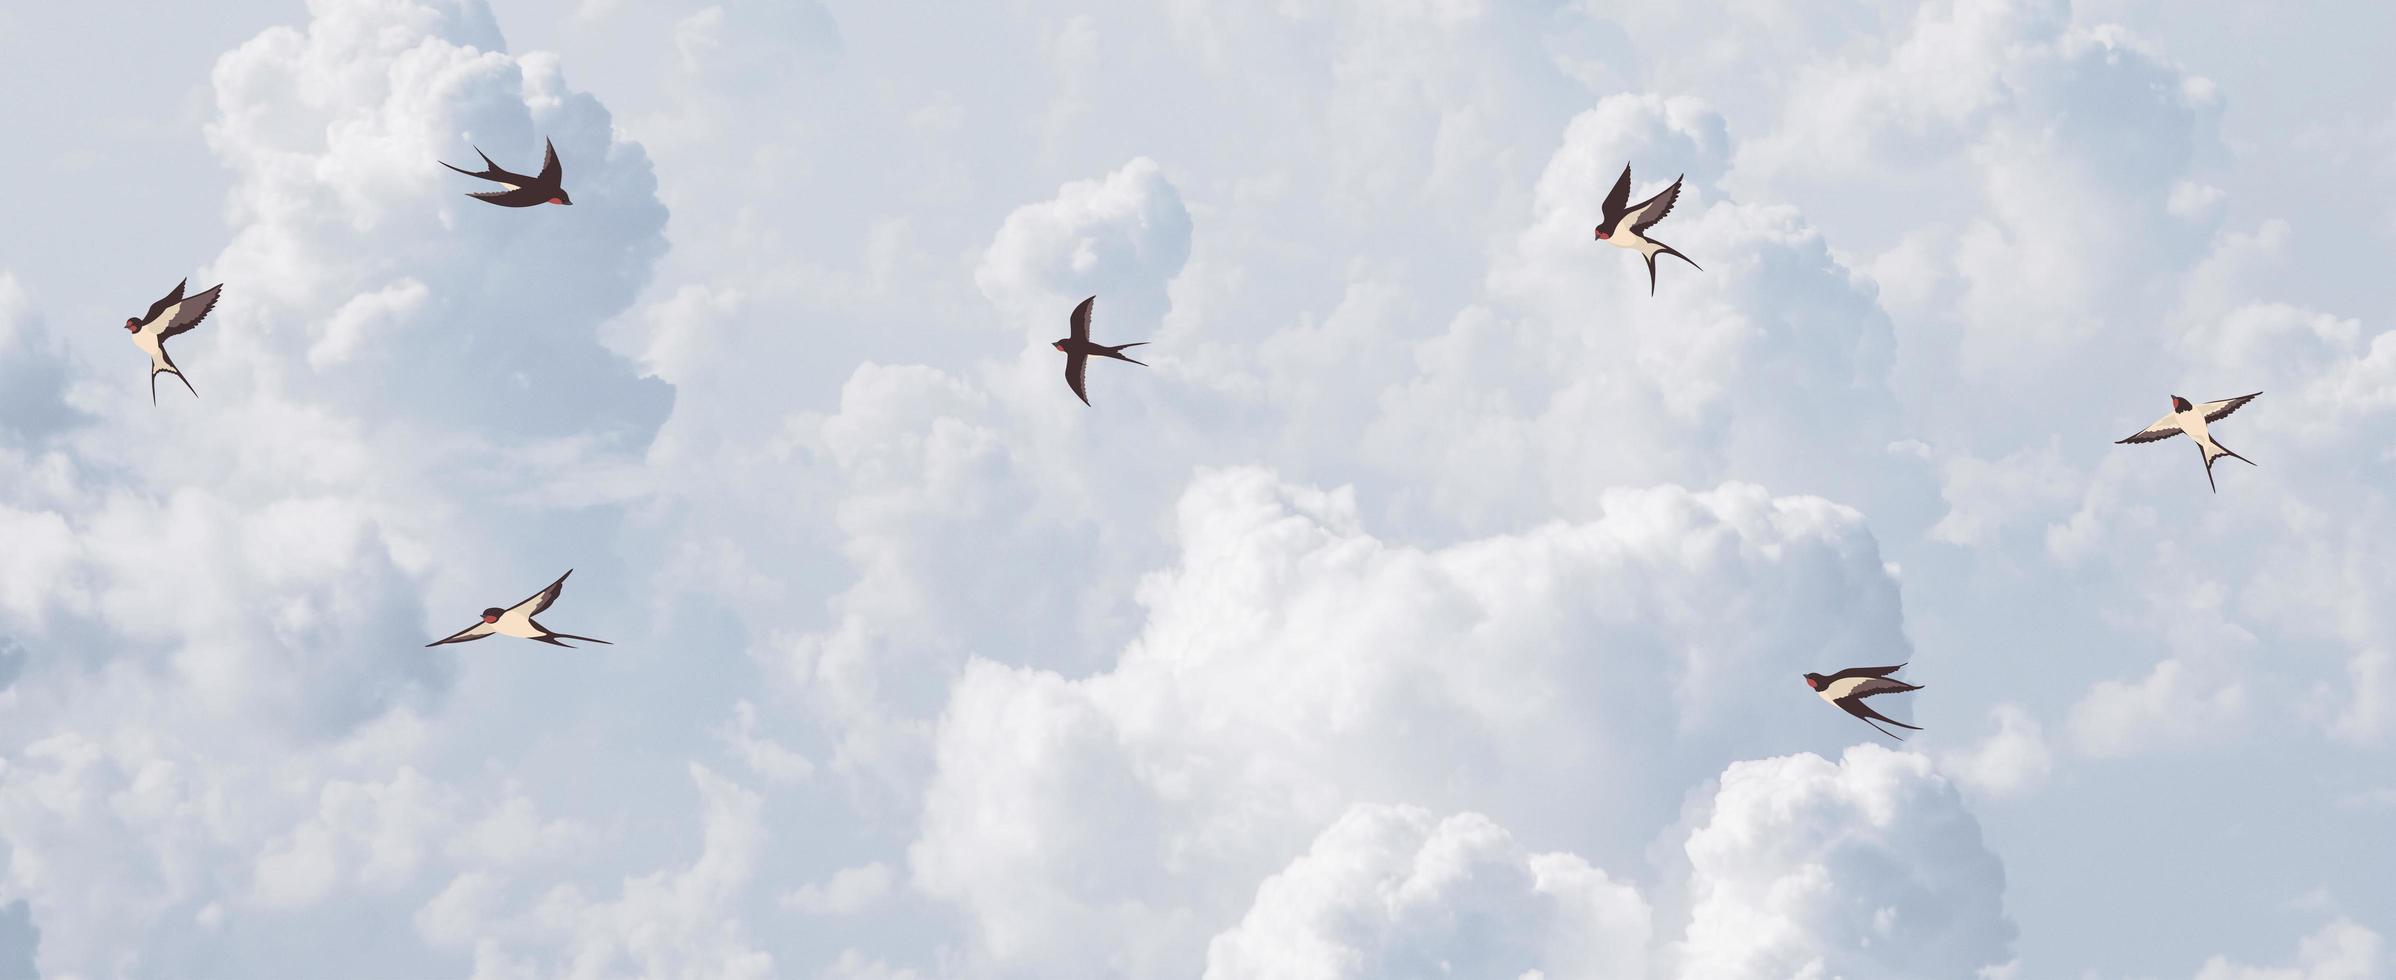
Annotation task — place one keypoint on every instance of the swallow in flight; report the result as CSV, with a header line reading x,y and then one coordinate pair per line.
x,y
1078,350
517,621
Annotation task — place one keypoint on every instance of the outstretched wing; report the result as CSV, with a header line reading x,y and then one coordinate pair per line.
x,y
551,172
517,197
189,312
1856,707
2216,411
1865,672
490,171
1655,208
164,304
541,600
2164,428
468,635
1081,319
1620,196
1075,366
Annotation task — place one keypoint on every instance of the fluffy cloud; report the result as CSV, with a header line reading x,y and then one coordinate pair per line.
x,y
1293,665
2342,950
1391,892
1868,867
233,570
2011,760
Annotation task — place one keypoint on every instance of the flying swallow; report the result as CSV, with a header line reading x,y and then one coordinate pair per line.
x,y
517,621
1848,689
1626,227
547,187
2192,420
168,317
1078,350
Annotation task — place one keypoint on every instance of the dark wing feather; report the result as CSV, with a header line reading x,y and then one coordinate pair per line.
x,y
551,171
1620,196
460,636
1865,672
2228,405
1075,366
1655,208
1856,707
516,198
1081,319
170,300
541,600
190,312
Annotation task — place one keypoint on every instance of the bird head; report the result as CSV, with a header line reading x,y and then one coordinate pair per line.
x,y
1815,681
2179,404
1060,345
561,198
491,615
1602,235
132,325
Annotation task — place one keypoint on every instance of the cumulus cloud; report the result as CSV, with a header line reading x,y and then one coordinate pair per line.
x,y
1124,235
1866,867
232,571
1390,891
1291,661
2341,950
2013,759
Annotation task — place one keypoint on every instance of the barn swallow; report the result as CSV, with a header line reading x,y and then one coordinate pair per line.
x,y
1848,689
517,621
1625,227
545,188
1078,350
2192,419
168,317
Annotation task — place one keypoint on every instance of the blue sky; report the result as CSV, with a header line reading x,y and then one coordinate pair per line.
x,y
1433,605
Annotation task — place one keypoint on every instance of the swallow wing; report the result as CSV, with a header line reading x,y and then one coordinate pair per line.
x,y
1077,365
551,171
516,197
470,634
1864,672
188,313
2164,428
1655,208
1856,706
491,171
164,304
1081,319
1880,685
1620,196
2216,411
538,601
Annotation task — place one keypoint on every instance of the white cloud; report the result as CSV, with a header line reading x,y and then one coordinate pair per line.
x,y
1293,666
1122,235
1393,892
2341,950
2012,760
1865,867
2173,706
846,892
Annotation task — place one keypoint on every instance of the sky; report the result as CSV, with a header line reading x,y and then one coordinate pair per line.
x,y
1434,604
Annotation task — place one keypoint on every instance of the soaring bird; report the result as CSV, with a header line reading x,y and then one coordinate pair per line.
x,y
517,621
1626,227
2192,420
1848,689
1078,350
546,187
168,317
